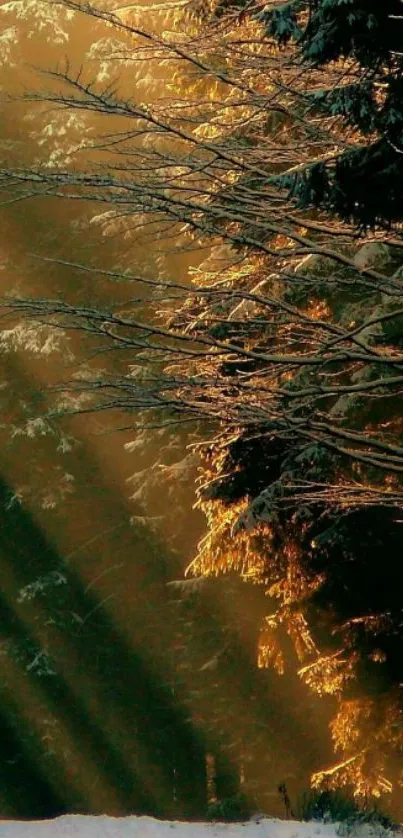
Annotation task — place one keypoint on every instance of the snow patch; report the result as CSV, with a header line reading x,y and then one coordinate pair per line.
x,y
104,826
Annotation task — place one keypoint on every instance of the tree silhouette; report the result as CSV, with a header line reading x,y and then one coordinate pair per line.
x,y
284,349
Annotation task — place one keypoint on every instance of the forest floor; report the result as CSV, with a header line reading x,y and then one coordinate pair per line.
x,y
104,826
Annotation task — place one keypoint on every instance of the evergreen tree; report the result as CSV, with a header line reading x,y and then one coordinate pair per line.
x,y
352,52
287,345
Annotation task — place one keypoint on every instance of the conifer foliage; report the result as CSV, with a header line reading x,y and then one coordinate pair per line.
x,y
360,42
280,154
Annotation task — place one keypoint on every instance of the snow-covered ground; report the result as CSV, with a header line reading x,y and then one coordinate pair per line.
x,y
103,826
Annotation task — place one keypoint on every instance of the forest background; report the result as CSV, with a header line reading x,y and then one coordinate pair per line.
x,y
255,352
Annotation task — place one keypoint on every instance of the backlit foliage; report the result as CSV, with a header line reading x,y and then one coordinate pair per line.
x,y
285,343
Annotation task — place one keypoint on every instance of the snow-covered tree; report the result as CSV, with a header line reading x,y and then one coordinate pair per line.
x,y
356,47
284,348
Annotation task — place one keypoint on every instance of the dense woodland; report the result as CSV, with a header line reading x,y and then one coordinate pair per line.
x,y
269,379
